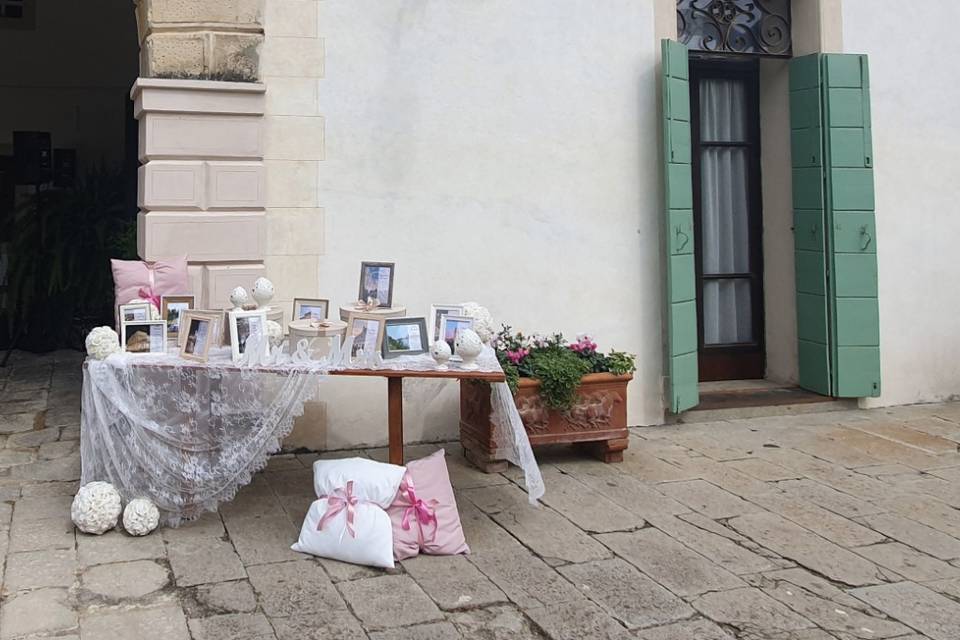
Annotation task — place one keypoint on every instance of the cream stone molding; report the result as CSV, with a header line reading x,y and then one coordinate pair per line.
x,y
159,95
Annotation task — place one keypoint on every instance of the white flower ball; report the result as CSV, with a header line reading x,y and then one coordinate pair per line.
x,y
483,323
274,332
102,342
140,517
96,508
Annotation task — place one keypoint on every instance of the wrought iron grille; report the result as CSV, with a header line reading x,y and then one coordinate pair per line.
x,y
756,27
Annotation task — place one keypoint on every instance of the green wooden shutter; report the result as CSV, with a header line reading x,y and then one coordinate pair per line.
x,y
834,229
681,279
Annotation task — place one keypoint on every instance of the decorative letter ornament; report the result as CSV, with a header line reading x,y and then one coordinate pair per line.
x,y
96,508
274,333
140,517
102,342
468,346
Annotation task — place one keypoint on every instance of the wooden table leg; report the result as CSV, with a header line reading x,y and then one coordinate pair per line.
x,y
395,418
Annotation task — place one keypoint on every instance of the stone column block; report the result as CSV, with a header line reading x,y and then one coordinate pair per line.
x,y
203,236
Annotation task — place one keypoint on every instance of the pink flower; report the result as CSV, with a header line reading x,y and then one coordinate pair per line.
x,y
516,356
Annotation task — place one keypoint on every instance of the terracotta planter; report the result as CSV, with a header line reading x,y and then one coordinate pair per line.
x,y
597,421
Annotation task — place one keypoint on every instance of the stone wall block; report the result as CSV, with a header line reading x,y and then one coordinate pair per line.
x,y
203,236
235,56
220,279
178,55
200,136
233,12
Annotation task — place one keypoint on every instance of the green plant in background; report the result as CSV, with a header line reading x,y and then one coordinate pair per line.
x,y
557,364
59,280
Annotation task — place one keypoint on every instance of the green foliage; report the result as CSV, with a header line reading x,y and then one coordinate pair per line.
x,y
619,363
559,371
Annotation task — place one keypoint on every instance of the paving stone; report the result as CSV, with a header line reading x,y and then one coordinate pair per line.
x,y
291,588
33,569
829,498
808,582
720,549
51,489
337,624
916,535
55,450
901,433
208,526
340,571
577,620
629,492
585,507
626,594
926,611
749,610
494,623
42,508
11,458
463,475
389,601
62,469
431,631
125,580
882,450
203,561
264,539
453,582
18,422
32,439
843,531
232,626
909,563
679,569
34,535
708,499
882,470
806,548
223,597
644,464
763,470
924,509
543,530
949,587
165,622
699,629
44,611
118,546
524,578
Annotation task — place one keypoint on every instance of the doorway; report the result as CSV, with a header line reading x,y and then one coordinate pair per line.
x,y
728,227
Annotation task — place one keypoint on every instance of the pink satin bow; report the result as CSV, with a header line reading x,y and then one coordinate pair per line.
x,y
424,512
341,499
146,293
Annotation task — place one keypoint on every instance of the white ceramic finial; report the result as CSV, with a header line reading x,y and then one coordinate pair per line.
x,y
238,298
440,351
262,292
468,346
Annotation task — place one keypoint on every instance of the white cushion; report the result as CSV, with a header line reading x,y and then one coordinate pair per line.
x,y
373,481
373,544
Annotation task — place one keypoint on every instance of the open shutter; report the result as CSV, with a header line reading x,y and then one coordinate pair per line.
x,y
834,229
681,274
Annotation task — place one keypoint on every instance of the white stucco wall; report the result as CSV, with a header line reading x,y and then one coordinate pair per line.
x,y
497,151
915,138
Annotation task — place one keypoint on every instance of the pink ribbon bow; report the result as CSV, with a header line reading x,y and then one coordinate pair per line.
x,y
423,512
146,293
338,501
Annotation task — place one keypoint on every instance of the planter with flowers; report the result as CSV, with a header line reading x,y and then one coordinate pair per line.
x,y
566,392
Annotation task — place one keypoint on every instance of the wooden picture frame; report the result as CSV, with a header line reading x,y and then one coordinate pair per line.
x,y
198,335
300,304
357,331
181,303
137,312
372,288
155,344
437,311
220,326
393,346
455,323
243,325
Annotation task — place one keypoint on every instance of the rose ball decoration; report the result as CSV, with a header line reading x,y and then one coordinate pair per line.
x,y
102,342
140,517
96,508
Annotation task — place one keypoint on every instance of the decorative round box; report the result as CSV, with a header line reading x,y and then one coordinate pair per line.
x,y
391,312
300,329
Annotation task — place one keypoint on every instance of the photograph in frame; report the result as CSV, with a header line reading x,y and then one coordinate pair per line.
x,y
450,325
437,311
404,337
171,307
216,317
245,325
367,332
197,336
134,312
311,309
146,337
376,282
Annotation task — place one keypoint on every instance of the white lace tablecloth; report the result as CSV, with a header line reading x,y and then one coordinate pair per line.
x,y
188,435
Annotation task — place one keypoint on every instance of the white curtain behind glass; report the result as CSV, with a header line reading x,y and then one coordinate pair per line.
x,y
724,209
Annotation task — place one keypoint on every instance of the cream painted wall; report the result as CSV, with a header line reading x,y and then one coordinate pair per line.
x,y
497,151
72,76
915,139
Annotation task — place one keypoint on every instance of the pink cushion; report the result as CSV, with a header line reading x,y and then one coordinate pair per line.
x,y
169,278
430,483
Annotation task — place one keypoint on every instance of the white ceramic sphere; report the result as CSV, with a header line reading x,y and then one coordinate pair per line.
x,y
274,333
96,508
468,346
102,342
140,517
263,292
440,351
239,297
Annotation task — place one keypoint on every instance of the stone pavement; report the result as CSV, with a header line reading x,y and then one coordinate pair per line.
x,y
815,527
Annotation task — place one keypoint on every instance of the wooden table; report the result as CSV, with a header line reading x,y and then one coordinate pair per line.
x,y
395,395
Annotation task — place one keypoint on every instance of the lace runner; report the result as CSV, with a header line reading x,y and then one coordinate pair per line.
x,y
188,435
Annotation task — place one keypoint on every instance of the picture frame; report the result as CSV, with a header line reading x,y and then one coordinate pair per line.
x,y
198,335
243,325
375,277
404,337
310,309
449,325
146,337
437,311
219,326
134,312
170,309
360,325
